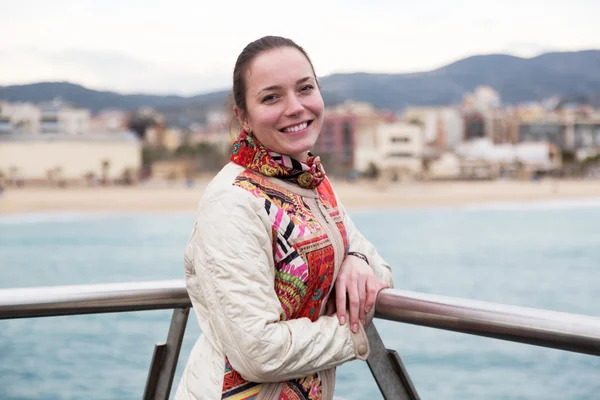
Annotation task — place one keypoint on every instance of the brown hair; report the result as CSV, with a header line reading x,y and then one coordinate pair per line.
x,y
250,52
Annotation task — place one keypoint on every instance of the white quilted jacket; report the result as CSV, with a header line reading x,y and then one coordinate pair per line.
x,y
229,265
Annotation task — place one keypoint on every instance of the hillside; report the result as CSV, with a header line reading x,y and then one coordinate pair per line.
x,y
571,75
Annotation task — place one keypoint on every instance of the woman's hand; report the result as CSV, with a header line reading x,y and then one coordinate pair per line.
x,y
357,286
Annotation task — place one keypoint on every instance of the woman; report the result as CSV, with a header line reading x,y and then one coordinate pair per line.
x,y
270,244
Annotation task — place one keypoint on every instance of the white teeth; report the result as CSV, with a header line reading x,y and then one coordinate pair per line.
x,y
296,128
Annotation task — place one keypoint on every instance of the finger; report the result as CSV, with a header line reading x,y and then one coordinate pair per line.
x,y
362,296
372,288
340,300
354,301
330,307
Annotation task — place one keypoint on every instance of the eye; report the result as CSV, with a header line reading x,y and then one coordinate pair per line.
x,y
307,88
269,98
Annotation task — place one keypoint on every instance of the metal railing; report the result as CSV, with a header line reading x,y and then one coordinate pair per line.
x,y
571,332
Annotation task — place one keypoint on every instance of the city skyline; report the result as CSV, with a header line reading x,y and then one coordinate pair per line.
x,y
189,49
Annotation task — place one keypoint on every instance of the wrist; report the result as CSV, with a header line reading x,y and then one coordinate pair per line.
x,y
359,255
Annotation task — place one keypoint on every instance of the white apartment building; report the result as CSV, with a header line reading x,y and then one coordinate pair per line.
x,y
396,149
19,117
108,120
427,117
54,117
72,158
64,120
452,127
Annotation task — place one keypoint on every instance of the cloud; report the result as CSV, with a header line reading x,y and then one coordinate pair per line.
x,y
104,69
152,46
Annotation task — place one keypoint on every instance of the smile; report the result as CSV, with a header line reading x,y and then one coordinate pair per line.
x,y
296,128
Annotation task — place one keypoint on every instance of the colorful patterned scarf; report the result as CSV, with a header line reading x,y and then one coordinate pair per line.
x,y
250,153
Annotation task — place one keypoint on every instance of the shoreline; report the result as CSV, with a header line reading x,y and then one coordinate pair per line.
x,y
506,206
359,196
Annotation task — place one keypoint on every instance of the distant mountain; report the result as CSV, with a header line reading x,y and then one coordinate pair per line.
x,y
571,75
81,96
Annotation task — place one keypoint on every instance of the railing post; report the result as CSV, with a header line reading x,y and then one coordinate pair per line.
x,y
388,370
164,359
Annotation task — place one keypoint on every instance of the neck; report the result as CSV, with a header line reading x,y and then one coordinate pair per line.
x,y
302,157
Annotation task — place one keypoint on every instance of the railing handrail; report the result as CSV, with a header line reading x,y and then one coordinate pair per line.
x,y
50,301
572,332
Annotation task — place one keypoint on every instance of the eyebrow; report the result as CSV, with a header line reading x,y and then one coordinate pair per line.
x,y
277,87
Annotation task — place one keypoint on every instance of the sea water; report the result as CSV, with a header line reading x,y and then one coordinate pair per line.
x,y
542,255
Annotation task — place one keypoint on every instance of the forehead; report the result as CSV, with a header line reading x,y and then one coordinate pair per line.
x,y
283,66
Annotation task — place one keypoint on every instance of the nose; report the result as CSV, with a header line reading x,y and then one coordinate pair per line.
x,y
294,107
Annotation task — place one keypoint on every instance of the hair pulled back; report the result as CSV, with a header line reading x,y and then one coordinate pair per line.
x,y
242,65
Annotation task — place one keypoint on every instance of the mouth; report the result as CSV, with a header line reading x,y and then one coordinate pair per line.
x,y
300,127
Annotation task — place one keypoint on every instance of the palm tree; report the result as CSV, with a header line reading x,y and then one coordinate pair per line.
x,y
13,173
58,172
89,177
127,176
105,168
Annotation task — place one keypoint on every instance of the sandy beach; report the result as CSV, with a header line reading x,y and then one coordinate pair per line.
x,y
359,195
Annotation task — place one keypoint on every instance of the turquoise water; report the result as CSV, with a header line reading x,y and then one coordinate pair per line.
x,y
544,256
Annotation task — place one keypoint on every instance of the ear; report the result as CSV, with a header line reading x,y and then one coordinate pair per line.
x,y
242,119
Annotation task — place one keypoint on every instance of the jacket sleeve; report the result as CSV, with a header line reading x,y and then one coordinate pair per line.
x,y
357,242
233,260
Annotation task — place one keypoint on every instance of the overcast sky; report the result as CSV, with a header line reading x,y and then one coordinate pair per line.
x,y
190,46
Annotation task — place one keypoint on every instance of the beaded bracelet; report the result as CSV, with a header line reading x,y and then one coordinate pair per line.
x,y
359,255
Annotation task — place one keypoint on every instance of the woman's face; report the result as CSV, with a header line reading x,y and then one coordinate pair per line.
x,y
284,104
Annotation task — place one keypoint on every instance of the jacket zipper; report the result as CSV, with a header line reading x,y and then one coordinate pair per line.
x,y
331,229
334,235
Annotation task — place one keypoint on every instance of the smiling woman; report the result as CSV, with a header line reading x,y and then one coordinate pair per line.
x,y
273,255
280,101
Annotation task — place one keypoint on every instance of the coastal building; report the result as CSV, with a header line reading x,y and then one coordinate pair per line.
x,y
447,166
338,139
58,118
214,135
19,117
172,170
396,150
500,126
160,136
484,155
46,118
586,133
545,131
6,125
474,125
427,117
109,120
69,159
566,131
451,128
350,136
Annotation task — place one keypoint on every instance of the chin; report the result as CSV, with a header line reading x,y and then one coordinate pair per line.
x,y
302,146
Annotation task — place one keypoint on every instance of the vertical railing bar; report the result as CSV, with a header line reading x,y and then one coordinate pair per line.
x,y
154,371
400,369
391,378
159,387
